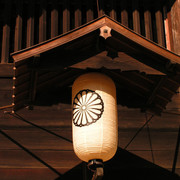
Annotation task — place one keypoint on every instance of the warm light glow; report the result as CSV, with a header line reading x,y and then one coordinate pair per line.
x,y
94,121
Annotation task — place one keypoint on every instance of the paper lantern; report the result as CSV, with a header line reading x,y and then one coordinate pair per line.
x,y
94,121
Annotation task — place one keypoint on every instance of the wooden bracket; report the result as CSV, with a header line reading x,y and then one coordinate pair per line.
x,y
105,32
155,90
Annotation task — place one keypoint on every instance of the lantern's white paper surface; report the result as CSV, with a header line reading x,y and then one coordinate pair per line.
x,y
95,124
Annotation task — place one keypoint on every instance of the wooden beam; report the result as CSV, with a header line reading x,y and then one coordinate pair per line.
x,y
54,19
42,20
30,24
170,31
100,7
113,13
6,33
18,27
66,16
147,21
21,79
160,26
124,13
154,91
89,11
78,14
136,16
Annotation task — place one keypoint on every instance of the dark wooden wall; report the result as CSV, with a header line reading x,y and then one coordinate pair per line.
x,y
24,23
57,151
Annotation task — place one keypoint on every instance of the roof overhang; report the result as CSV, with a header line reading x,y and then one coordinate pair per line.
x,y
145,72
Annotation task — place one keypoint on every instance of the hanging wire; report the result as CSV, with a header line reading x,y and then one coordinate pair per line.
x,y
29,152
35,125
149,136
139,130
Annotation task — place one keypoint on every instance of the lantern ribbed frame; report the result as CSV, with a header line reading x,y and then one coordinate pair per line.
x,y
97,140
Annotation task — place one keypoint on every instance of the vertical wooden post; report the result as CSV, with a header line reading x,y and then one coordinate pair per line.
x,y
113,13
6,33
148,21
124,13
159,26
100,6
89,12
173,16
54,19
66,16
30,24
78,14
169,29
18,27
42,21
136,16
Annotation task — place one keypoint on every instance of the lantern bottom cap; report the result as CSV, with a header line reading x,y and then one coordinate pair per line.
x,y
93,164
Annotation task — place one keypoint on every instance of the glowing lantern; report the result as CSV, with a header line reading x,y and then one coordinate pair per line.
x,y
95,126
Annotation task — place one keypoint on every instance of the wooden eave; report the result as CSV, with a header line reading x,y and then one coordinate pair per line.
x,y
55,61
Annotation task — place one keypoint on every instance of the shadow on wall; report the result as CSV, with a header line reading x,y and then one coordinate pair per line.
x,y
124,166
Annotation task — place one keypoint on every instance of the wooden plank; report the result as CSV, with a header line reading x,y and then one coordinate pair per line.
x,y
78,14
6,33
113,13
171,41
147,21
5,97
18,27
6,70
100,7
5,83
124,13
66,16
174,105
142,154
40,117
46,76
165,159
34,138
21,79
89,11
29,173
136,16
54,19
21,159
30,24
21,88
23,69
154,91
160,27
21,97
42,20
